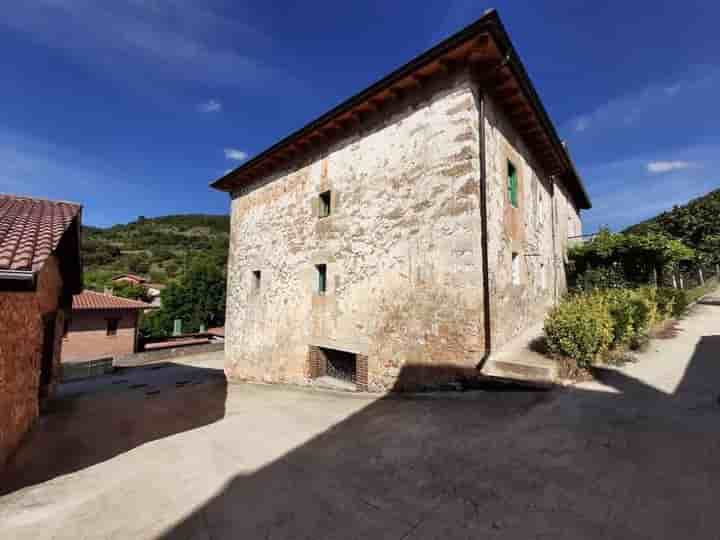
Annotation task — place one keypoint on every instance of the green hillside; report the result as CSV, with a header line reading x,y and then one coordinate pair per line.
x,y
696,223
158,248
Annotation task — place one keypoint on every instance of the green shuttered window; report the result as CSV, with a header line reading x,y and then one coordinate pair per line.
x,y
322,278
512,185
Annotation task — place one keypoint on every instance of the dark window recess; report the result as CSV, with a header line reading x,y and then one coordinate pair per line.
x,y
341,364
112,326
257,280
512,185
322,278
324,204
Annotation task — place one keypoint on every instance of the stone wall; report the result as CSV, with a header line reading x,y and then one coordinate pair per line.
x,y
526,231
21,343
87,337
402,248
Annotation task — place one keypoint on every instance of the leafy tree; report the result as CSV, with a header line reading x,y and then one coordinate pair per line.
x,y
198,298
625,258
696,224
134,291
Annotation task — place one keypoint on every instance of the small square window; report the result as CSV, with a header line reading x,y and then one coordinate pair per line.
x,y
322,278
324,204
512,185
516,269
256,281
112,326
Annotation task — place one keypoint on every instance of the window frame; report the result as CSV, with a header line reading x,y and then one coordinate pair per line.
x,y
321,270
512,184
112,324
325,204
515,269
256,282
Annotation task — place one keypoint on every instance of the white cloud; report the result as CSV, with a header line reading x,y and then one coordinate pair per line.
x,y
622,197
633,107
581,123
235,154
657,167
140,41
212,106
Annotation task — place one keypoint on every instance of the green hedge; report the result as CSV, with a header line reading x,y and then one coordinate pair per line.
x,y
586,325
581,327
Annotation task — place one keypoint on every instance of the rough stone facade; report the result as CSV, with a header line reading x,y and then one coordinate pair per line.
x,y
402,248
23,317
87,337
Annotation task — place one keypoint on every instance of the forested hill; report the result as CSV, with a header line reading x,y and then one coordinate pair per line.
x,y
696,223
158,248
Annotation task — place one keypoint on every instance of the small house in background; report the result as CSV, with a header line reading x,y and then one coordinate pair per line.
x,y
101,326
130,278
40,270
154,292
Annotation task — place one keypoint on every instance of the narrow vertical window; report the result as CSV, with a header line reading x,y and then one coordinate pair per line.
x,y
321,278
112,327
256,281
516,269
324,204
512,181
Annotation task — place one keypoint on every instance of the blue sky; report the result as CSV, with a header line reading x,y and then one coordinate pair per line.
x,y
132,107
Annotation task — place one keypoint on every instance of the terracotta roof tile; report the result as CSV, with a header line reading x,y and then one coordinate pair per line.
x,y
96,300
31,229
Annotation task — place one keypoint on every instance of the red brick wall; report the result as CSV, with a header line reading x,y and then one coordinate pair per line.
x,y
87,337
21,341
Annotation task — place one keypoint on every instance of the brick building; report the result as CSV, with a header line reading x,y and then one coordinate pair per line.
x,y
408,233
40,270
101,326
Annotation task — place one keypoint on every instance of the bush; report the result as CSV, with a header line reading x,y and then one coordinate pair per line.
x,y
622,310
581,327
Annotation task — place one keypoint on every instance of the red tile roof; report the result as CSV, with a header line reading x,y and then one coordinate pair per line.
x,y
132,277
31,229
96,300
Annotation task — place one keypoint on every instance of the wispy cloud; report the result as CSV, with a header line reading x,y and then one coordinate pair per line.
x,y
626,192
658,167
179,39
627,110
235,154
212,106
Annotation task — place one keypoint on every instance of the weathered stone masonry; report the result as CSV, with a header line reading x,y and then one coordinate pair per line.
x,y
401,252
401,245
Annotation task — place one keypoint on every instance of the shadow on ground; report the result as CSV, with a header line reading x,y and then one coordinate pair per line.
x,y
623,460
137,405
634,462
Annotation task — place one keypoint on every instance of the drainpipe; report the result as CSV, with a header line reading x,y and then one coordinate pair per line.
x,y
553,219
484,239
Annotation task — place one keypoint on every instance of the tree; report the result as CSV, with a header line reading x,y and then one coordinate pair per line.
x,y
198,298
127,289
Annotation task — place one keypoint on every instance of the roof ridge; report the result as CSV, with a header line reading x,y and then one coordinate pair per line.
x,y
44,199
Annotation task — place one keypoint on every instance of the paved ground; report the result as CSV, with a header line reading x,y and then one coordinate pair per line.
x,y
188,457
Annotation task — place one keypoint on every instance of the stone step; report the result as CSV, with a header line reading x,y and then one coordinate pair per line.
x,y
528,368
331,383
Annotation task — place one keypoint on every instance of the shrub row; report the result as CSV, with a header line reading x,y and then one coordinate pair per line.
x,y
586,325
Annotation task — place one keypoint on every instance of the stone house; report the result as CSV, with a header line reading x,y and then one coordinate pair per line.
x,y
40,270
407,234
101,326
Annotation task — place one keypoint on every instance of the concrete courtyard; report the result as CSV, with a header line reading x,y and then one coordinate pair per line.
x,y
172,451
